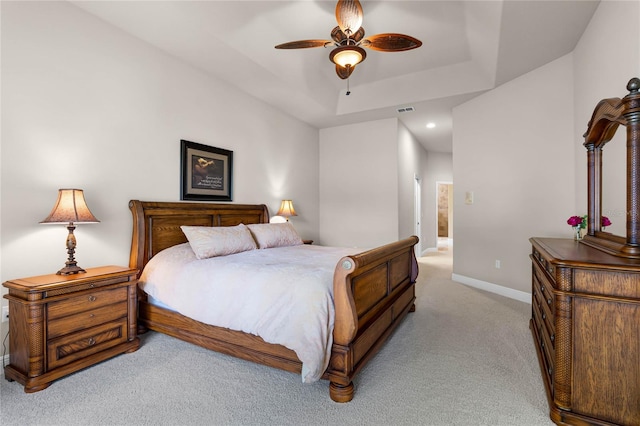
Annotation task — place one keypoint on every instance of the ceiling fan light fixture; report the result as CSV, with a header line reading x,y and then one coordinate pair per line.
x,y
347,56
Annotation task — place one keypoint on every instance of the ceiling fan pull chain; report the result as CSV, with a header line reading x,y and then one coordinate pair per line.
x,y
348,91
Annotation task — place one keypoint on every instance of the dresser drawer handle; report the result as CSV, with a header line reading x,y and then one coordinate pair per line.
x,y
553,337
91,315
92,341
549,301
550,370
544,316
92,298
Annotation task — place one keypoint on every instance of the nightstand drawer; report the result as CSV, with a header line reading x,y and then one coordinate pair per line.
x,y
85,302
86,319
79,345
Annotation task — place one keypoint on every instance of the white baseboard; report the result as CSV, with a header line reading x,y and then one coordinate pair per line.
x,y
493,288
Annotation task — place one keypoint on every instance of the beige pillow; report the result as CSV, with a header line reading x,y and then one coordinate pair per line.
x,y
270,235
211,241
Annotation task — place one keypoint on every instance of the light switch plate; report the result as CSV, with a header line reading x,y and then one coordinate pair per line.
x,y
468,197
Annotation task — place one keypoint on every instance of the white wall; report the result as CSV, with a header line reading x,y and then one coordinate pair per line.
x,y
85,105
412,162
605,59
439,168
519,148
359,184
513,148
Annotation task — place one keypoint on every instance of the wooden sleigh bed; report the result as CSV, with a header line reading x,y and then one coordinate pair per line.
x,y
373,293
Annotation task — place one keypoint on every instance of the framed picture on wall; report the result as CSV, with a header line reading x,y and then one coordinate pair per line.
x,y
205,171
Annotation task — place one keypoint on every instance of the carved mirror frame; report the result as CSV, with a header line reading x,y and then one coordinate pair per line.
x,y
607,116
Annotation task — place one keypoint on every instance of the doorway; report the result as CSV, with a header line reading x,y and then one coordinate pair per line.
x,y
417,214
444,214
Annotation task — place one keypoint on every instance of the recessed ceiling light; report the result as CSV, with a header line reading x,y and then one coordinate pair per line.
x,y
431,125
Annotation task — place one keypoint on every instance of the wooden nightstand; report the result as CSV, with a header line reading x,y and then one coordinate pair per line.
x,y
59,324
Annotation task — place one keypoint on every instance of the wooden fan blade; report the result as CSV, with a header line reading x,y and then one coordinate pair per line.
x,y
391,42
343,72
349,16
304,44
339,37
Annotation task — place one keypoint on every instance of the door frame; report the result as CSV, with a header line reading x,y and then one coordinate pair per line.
x,y
417,212
449,213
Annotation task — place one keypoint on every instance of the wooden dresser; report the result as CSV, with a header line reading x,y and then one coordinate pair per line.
x,y
586,327
59,324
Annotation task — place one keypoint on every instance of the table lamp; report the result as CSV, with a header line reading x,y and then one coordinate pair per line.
x,y
286,209
70,208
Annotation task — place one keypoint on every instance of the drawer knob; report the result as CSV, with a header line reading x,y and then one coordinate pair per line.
x,y
91,315
544,316
553,337
92,341
92,298
549,301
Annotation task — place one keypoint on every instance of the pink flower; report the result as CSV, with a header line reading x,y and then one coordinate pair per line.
x,y
575,221
605,221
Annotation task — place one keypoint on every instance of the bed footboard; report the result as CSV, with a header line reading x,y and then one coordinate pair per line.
x,y
373,292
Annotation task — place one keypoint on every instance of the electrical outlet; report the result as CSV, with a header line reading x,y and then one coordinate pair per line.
x,y
5,313
497,264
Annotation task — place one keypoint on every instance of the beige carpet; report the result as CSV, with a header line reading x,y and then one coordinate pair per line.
x,y
465,357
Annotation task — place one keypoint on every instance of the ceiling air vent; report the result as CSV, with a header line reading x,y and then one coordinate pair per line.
x,y
405,109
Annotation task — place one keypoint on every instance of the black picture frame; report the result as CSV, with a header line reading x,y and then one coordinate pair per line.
x,y
206,172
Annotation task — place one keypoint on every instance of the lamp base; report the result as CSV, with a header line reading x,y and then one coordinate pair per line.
x,y
70,270
72,266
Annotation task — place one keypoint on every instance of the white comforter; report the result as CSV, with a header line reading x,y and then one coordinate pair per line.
x,y
284,295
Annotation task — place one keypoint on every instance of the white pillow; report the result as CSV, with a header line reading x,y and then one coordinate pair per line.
x,y
270,235
211,241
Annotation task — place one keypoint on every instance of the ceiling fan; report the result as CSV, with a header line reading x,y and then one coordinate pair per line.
x,y
348,40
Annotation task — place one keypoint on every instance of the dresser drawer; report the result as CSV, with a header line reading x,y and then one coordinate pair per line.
x,y
545,318
542,341
86,319
78,345
544,264
85,302
545,288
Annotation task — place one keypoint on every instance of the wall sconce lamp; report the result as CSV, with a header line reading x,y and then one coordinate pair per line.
x,y
286,209
70,208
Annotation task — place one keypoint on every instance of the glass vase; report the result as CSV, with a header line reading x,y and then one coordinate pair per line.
x,y
577,233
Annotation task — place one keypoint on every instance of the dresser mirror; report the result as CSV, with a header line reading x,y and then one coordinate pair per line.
x,y
614,183
608,115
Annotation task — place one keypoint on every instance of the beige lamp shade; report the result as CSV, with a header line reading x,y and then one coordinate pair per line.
x,y
286,209
70,208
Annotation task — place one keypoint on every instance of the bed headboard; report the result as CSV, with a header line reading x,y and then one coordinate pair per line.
x,y
156,225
